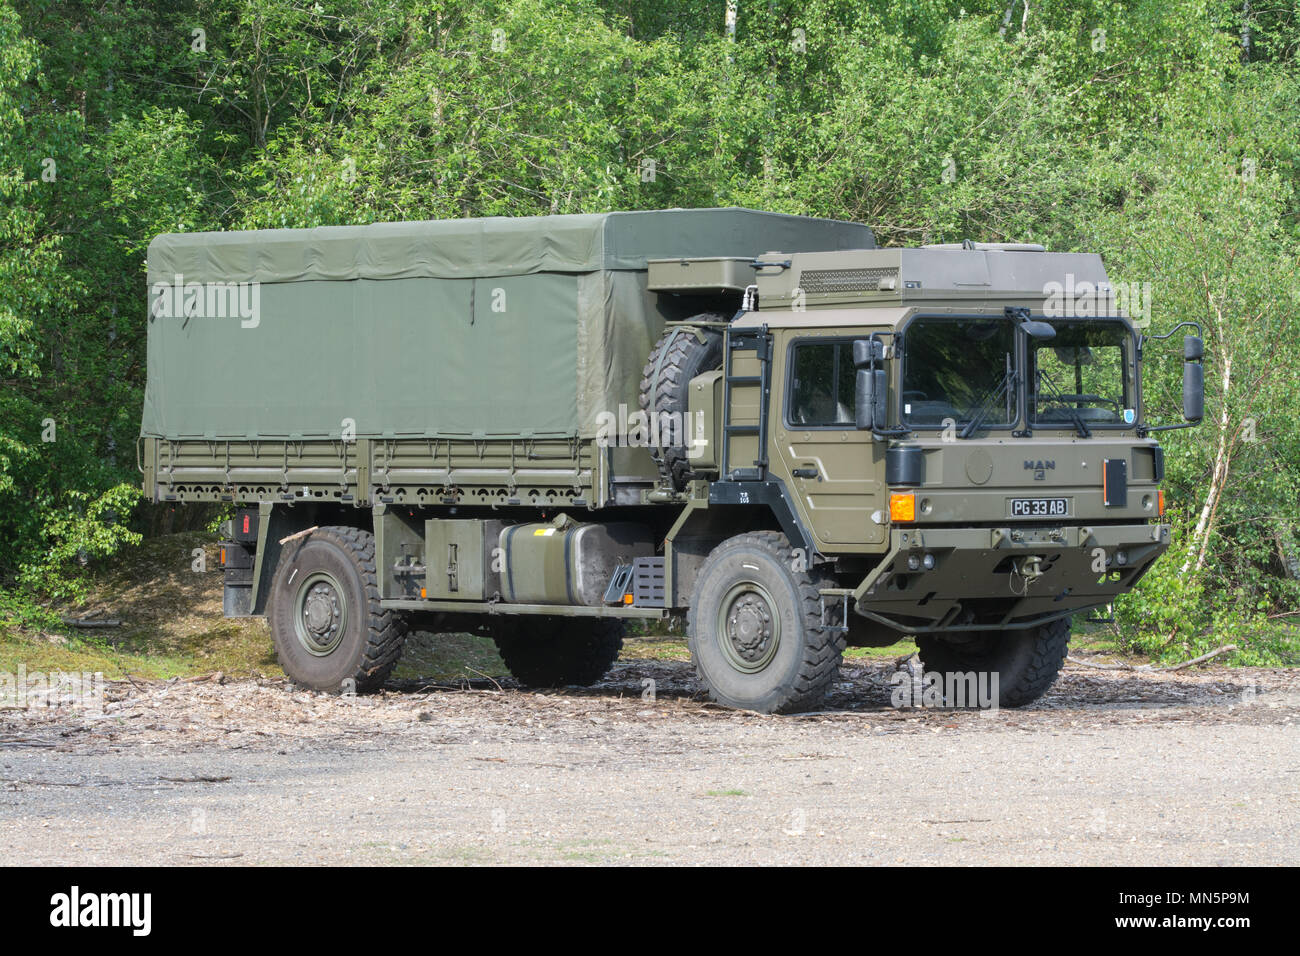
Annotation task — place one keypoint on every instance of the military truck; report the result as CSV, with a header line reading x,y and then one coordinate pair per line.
x,y
538,429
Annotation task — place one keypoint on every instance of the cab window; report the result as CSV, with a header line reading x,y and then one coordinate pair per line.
x,y
821,385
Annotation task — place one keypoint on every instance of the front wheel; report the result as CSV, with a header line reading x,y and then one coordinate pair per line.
x,y
1026,661
756,632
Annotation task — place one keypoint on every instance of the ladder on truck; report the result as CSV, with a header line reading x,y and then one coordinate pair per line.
x,y
759,342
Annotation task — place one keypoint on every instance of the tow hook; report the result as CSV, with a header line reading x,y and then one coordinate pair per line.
x,y
1030,568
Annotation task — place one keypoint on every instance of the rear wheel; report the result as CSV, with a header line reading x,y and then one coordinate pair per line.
x,y
1026,661
755,627
329,631
558,651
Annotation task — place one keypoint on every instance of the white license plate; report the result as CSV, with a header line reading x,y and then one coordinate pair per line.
x,y
1040,507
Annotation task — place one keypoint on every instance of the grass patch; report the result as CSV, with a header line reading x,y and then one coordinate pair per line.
x,y
172,624
448,657
602,851
669,648
904,648
226,649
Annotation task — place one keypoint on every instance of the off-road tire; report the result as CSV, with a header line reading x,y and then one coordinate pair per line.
x,y
369,638
557,651
1026,661
684,357
790,669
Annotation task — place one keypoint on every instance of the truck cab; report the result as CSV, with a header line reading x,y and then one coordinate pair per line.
x,y
956,435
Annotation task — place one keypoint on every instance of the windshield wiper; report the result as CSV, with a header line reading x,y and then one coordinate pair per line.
x,y
1056,393
1003,387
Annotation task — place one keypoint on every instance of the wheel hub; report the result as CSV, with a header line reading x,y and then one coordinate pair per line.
x,y
321,614
750,627
749,630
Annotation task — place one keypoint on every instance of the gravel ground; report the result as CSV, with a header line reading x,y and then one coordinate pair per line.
x,y
1197,767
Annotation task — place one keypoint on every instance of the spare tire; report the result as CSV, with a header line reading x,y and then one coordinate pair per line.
x,y
682,353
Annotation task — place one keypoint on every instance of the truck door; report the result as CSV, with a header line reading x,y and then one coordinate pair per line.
x,y
829,466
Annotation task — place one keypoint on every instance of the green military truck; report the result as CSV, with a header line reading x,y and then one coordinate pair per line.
x,y
536,429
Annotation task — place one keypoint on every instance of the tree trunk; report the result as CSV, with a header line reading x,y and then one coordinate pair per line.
x,y
1218,477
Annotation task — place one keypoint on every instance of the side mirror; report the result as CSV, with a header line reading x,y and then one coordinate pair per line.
x,y
1038,330
1193,391
864,397
867,352
869,398
1193,378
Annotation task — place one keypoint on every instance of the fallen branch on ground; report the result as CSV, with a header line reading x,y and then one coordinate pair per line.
x,y
217,676
488,676
1147,667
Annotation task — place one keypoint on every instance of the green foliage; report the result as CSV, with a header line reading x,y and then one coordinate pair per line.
x,y
21,609
1174,617
1218,249
162,180
29,255
81,528
1134,128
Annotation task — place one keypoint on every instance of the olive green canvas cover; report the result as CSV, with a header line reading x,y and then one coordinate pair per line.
x,y
480,327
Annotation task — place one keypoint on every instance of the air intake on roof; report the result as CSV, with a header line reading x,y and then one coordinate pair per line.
x,y
844,280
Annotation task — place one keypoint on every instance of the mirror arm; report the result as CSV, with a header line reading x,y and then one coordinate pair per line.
x,y
1196,361
1180,325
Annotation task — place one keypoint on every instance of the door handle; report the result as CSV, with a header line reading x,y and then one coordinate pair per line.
x,y
806,473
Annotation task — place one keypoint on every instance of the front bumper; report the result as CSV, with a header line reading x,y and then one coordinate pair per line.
x,y
977,577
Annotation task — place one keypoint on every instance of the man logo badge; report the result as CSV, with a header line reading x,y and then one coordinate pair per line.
x,y
1040,468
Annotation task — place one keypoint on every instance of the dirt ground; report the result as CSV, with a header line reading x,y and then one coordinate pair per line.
x,y
1198,767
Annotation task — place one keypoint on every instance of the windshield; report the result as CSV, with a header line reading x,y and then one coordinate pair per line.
x,y
1078,376
959,370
